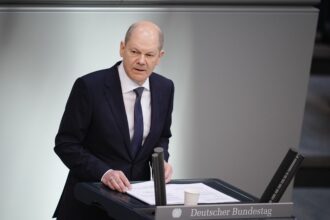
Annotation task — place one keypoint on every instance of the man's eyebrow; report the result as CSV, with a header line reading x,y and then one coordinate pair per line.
x,y
148,52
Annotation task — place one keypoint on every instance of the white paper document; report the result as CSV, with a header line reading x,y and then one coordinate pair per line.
x,y
145,192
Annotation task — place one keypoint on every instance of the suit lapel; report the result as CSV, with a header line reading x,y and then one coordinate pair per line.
x,y
155,105
113,94
114,97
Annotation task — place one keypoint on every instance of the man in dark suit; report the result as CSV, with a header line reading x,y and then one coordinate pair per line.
x,y
113,120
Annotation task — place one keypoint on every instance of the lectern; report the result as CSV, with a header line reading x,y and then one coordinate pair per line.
x,y
122,206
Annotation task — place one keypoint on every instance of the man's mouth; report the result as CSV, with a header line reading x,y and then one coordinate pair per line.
x,y
139,70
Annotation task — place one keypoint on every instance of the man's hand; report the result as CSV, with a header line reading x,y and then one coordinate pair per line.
x,y
116,180
168,172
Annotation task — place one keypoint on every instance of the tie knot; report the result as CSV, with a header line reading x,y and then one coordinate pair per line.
x,y
138,91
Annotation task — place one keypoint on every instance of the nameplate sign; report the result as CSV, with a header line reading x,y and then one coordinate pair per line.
x,y
225,211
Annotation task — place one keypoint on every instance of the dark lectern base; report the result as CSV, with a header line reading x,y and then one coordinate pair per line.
x,y
121,206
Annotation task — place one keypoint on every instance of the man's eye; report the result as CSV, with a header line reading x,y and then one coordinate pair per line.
x,y
150,55
133,51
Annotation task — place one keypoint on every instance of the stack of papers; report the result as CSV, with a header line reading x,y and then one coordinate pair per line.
x,y
145,192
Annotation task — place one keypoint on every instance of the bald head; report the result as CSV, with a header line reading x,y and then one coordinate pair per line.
x,y
141,51
148,28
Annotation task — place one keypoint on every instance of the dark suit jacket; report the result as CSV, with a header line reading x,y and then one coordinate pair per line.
x,y
93,135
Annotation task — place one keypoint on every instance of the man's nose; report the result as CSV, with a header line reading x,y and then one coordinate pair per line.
x,y
142,59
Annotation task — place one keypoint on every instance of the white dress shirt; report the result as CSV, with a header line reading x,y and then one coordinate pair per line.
x,y
129,96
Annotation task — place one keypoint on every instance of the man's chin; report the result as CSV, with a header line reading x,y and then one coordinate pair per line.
x,y
140,79
140,72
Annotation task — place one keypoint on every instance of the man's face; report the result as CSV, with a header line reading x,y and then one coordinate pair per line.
x,y
140,55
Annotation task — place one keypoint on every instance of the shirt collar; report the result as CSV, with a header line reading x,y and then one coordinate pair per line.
x,y
127,84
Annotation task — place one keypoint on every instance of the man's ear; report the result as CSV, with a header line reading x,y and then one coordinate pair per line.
x,y
161,54
121,48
